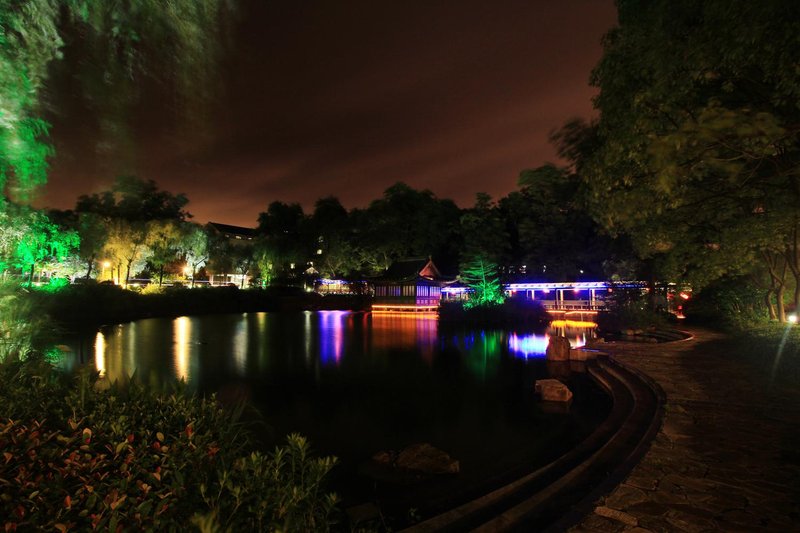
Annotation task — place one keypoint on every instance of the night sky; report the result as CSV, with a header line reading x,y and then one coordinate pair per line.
x,y
346,98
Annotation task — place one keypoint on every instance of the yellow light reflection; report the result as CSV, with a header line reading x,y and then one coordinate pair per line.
x,y
572,324
239,347
182,336
100,354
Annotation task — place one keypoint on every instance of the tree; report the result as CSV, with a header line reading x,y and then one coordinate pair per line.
x,y
124,37
41,241
193,245
126,246
697,142
406,223
481,275
282,231
163,239
484,231
331,226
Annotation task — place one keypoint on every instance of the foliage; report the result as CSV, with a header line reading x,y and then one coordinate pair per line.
x,y
182,35
483,230
33,239
481,275
729,302
405,223
632,309
22,326
695,154
78,458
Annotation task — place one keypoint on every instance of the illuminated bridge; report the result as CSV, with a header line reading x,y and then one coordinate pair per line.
x,y
567,296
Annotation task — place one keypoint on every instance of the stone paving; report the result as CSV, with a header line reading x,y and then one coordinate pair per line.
x,y
727,457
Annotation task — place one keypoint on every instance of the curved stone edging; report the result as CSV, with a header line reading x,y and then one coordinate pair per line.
x,y
548,495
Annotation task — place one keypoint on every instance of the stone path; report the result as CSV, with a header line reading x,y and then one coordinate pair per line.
x,y
727,457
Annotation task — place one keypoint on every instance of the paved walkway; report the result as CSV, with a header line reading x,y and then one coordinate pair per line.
x,y
727,457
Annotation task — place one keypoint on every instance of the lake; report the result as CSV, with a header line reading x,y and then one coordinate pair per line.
x,y
359,383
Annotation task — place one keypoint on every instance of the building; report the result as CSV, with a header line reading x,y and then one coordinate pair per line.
x,y
237,236
409,285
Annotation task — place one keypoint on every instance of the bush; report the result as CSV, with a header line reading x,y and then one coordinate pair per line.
x,y
75,457
729,302
630,309
512,312
22,325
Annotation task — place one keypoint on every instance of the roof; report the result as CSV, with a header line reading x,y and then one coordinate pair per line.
x,y
411,269
247,233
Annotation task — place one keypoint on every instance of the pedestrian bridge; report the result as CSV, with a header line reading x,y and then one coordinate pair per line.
x,y
567,296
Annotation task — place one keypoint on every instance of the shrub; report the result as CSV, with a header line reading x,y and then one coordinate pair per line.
x,y
22,326
75,457
630,309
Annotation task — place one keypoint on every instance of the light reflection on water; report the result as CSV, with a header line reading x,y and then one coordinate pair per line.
x,y
179,348
100,354
535,345
182,327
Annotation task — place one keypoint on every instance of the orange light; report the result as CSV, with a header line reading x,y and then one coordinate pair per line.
x,y
572,324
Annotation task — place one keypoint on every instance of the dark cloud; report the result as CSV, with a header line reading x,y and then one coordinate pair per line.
x,y
348,97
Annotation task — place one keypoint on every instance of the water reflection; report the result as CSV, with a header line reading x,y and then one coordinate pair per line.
x,y
331,336
405,332
266,343
100,354
240,345
182,336
535,344
526,346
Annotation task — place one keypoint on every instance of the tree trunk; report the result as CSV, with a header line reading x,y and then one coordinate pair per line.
x,y
89,267
779,293
127,273
770,307
30,279
161,275
193,271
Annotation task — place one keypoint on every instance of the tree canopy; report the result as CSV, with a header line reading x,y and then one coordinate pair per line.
x,y
695,154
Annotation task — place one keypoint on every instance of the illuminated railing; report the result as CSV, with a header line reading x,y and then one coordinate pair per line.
x,y
404,308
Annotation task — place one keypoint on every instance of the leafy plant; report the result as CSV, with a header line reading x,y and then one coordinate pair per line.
x,y
75,457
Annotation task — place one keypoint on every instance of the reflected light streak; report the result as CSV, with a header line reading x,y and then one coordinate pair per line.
x,y
528,345
100,354
183,330
331,342
307,335
572,324
240,346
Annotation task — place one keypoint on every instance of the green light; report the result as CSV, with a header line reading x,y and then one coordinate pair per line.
x,y
482,276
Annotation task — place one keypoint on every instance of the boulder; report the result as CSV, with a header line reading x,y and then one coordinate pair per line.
x,y
426,459
557,349
582,355
552,390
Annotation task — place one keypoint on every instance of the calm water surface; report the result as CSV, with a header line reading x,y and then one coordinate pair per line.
x,y
357,383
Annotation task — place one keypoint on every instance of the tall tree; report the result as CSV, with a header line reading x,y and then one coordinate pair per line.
x,y
698,137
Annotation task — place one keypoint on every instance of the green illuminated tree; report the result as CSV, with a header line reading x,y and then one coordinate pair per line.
x,y
125,38
482,276
163,240
42,241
